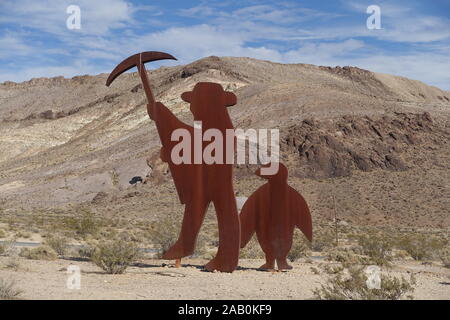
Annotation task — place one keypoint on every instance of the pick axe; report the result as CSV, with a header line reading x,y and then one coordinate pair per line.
x,y
138,61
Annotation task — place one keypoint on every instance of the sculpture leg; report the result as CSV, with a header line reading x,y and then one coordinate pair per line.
x,y
227,256
192,221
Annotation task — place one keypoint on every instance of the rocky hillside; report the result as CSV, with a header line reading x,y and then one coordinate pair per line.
x,y
378,144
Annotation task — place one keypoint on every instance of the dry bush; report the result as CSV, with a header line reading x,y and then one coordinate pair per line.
x,y
86,252
314,270
350,284
8,290
332,268
57,243
84,225
201,246
323,239
23,234
421,246
13,263
445,257
300,246
164,232
2,233
345,255
39,253
377,246
7,248
115,256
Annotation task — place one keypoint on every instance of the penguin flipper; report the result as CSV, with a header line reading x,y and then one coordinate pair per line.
x,y
300,213
248,216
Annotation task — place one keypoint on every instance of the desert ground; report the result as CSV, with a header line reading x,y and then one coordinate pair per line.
x,y
157,279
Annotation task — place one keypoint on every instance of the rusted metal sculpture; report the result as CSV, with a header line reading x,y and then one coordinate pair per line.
x,y
197,184
273,211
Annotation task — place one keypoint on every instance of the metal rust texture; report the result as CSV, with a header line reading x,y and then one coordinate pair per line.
x,y
273,211
197,183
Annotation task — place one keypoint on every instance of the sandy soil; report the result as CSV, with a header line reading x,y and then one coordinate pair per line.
x,y
151,280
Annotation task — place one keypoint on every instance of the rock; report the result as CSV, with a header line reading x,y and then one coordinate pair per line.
x,y
342,223
99,197
366,143
49,115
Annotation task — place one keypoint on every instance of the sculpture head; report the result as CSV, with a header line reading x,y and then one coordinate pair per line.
x,y
208,95
281,175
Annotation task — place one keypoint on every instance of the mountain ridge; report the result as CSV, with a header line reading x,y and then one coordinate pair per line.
x,y
64,141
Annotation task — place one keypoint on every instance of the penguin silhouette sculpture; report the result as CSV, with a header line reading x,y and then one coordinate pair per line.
x,y
273,211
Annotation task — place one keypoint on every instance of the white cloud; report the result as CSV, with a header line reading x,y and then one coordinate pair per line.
x,y
269,32
97,17
12,45
400,23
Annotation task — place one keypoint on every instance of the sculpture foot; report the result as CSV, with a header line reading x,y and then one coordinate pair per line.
x,y
175,252
214,265
267,266
283,265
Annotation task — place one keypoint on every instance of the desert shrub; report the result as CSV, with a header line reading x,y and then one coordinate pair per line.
x,y
7,248
350,284
322,240
85,224
445,257
314,270
300,246
163,232
377,246
115,256
332,268
252,250
57,243
420,246
345,255
23,234
39,253
2,234
13,263
8,290
201,248
86,252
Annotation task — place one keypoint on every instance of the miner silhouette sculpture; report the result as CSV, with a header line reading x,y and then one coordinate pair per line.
x,y
197,184
273,211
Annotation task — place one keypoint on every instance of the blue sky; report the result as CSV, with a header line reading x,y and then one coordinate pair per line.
x,y
414,39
